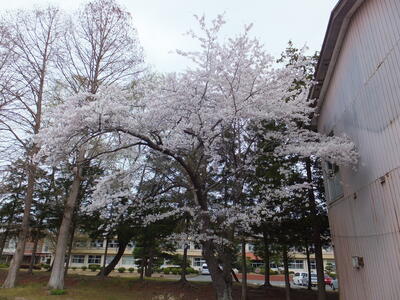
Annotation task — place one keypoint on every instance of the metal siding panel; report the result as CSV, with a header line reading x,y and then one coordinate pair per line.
x,y
363,101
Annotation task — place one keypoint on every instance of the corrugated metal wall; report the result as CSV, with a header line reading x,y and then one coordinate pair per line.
x,y
363,101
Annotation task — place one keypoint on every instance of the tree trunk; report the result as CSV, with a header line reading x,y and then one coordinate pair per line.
x,y
149,265
34,250
286,268
101,273
184,263
319,262
121,249
221,279
308,266
19,251
142,267
244,272
56,280
267,281
71,241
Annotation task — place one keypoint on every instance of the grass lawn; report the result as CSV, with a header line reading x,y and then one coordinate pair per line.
x,y
81,287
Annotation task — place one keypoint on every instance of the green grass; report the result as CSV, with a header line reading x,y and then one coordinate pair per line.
x,y
86,287
58,292
83,287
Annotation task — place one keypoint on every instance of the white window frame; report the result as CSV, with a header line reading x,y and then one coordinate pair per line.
x,y
78,259
94,259
296,264
113,244
198,261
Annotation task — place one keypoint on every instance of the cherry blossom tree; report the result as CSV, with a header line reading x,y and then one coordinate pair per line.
x,y
202,119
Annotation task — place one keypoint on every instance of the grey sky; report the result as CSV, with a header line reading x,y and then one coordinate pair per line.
x,y
161,23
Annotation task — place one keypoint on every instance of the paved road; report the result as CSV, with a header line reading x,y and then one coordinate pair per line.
x,y
207,278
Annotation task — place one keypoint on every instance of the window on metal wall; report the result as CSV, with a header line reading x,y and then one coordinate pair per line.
x,y
296,264
94,259
78,259
333,182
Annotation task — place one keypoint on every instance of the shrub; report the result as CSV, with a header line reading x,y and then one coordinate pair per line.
x,y
4,266
121,270
57,292
94,267
166,271
175,272
332,274
190,270
131,270
272,272
73,268
83,268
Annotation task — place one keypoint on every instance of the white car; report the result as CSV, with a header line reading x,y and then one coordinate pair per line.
x,y
204,270
314,280
299,278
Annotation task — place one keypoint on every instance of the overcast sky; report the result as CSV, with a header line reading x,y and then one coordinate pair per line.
x,y
161,24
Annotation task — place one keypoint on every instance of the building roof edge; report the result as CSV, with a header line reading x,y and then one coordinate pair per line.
x,y
334,36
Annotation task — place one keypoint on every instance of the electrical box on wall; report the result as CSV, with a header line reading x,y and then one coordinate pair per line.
x,y
358,262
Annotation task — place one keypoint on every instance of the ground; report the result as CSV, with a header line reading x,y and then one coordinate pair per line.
x,y
82,287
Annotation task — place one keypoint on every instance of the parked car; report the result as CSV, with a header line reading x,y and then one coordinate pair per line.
x,y
335,284
314,280
328,280
298,278
204,270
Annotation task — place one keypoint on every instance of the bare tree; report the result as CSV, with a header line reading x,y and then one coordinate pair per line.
x,y
31,42
100,49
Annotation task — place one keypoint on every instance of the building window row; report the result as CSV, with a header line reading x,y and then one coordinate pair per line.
x,y
296,264
127,260
99,244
